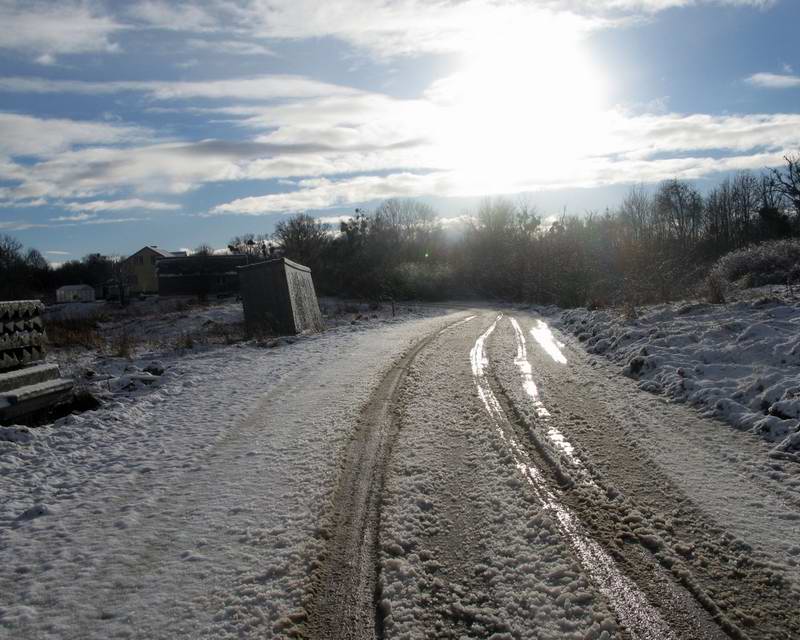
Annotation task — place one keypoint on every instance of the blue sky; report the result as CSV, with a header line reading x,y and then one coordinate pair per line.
x,y
181,123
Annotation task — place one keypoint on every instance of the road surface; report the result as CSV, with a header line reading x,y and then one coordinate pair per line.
x,y
469,475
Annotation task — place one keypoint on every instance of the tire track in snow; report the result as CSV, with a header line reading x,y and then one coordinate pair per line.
x,y
639,617
345,595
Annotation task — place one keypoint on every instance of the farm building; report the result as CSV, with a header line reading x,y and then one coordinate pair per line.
x,y
140,269
200,275
75,293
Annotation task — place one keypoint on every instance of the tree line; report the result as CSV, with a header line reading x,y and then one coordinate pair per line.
x,y
656,245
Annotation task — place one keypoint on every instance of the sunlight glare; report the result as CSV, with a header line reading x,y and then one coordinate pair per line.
x,y
526,103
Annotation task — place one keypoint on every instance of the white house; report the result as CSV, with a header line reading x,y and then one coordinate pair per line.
x,y
75,293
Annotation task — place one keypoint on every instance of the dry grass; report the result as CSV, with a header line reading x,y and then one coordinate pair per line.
x,y
73,333
715,288
122,343
629,311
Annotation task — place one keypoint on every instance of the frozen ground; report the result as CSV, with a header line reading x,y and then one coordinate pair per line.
x,y
738,361
131,347
190,509
519,487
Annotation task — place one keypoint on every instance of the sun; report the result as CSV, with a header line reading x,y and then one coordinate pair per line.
x,y
526,103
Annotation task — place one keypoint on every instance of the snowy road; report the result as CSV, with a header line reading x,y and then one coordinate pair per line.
x,y
462,476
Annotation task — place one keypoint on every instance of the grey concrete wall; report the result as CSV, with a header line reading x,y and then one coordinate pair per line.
x,y
305,306
278,295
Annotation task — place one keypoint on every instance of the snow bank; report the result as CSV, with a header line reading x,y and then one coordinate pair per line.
x,y
738,362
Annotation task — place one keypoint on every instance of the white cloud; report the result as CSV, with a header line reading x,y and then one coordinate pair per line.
x,y
89,218
121,205
631,148
114,220
266,87
20,204
401,27
27,135
78,217
323,193
20,225
404,26
774,80
174,16
334,220
46,29
58,253
230,47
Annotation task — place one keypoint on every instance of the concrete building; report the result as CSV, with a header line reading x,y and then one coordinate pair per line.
x,y
278,295
75,293
139,269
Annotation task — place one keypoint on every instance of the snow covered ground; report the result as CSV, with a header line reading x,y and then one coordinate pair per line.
x,y
527,480
187,506
136,345
739,362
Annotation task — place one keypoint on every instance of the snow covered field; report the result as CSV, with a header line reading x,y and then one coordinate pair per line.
x,y
526,489
739,362
187,506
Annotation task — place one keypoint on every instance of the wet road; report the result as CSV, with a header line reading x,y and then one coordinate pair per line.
x,y
496,489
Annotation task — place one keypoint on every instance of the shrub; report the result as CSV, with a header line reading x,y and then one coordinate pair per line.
x,y
423,281
772,262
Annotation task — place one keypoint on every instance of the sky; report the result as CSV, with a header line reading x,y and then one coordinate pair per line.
x,y
175,124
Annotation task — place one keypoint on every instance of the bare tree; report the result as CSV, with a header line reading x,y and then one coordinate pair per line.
x,y
303,238
787,181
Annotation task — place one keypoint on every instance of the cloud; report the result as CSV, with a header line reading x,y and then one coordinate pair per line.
x,y
20,225
402,27
174,16
30,136
58,253
323,193
89,218
23,204
79,217
369,140
121,205
257,88
230,47
409,27
46,29
335,220
774,80
654,6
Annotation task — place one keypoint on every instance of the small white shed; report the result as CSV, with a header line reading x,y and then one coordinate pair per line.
x,y
75,293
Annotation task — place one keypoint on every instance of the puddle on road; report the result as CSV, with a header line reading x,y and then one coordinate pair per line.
x,y
542,334
521,360
553,434
641,620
